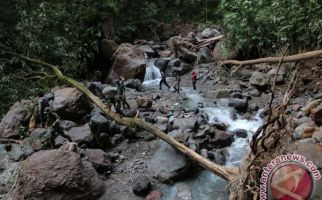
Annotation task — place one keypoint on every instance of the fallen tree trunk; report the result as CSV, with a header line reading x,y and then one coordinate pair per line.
x,y
293,58
226,173
205,42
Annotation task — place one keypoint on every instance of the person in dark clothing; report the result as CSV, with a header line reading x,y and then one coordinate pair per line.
x,y
121,99
177,85
194,79
164,81
42,104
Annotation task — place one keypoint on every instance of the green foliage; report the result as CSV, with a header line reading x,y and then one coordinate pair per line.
x,y
264,27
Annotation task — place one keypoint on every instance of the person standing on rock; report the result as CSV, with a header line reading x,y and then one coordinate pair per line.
x,y
42,104
163,80
194,79
177,85
121,99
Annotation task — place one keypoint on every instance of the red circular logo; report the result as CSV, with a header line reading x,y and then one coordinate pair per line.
x,y
291,182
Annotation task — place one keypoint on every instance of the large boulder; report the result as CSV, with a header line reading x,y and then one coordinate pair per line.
x,y
129,63
187,55
304,130
149,51
167,163
238,104
259,79
9,126
58,174
222,139
108,48
177,66
70,103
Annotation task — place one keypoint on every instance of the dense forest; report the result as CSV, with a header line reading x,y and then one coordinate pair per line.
x,y
68,33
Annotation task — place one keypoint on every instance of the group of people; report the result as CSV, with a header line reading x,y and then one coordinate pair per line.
x,y
177,81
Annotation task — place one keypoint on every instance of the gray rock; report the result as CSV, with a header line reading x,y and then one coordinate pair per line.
x,y
81,134
19,152
223,93
98,123
177,66
304,130
209,32
70,103
184,123
161,63
242,133
100,160
110,92
183,191
141,186
134,84
238,104
10,123
167,163
204,55
149,51
259,79
221,156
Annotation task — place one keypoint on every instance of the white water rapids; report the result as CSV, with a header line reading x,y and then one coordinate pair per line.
x,y
204,184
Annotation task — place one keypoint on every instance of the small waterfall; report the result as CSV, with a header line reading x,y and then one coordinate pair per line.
x,y
152,74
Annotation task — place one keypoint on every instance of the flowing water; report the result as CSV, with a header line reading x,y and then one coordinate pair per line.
x,y
152,74
205,185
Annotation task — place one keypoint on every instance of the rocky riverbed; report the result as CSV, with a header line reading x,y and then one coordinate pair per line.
x,y
97,158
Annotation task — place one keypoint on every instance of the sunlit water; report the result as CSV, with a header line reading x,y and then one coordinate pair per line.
x,y
205,185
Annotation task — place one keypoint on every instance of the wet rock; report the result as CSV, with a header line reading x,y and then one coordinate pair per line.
x,y
177,66
219,125
99,159
311,105
154,195
10,123
242,133
236,95
209,32
150,119
98,123
144,102
70,103
193,145
129,63
81,134
167,163
149,51
134,84
184,123
58,174
304,130
222,139
316,115
130,113
141,186
220,156
183,191
204,55
238,104
259,79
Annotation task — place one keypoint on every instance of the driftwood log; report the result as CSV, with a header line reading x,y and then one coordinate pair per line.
x,y
286,59
227,173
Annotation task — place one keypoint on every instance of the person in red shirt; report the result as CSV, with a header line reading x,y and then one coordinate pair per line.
x,y
194,79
